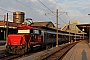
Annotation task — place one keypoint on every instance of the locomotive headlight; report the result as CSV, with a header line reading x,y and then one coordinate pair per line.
x,y
21,44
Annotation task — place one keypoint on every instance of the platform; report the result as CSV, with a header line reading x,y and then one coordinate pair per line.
x,y
2,46
41,54
2,42
80,51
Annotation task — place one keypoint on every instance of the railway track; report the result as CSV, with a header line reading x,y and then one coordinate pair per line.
x,y
60,54
7,56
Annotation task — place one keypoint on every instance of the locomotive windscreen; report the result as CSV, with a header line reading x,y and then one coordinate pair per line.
x,y
36,31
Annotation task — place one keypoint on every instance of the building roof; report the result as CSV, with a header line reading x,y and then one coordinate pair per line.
x,y
35,24
86,27
10,24
43,24
2,23
71,27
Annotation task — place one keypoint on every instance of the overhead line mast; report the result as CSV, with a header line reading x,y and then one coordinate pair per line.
x,y
56,27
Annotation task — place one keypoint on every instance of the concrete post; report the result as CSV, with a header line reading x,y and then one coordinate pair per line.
x,y
57,28
89,33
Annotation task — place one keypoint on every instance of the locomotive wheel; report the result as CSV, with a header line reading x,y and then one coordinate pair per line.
x,y
28,46
7,48
48,46
24,50
21,51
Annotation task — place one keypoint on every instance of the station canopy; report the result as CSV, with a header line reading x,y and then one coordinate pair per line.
x,y
84,27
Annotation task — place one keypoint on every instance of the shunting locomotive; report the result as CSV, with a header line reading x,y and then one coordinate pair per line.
x,y
24,40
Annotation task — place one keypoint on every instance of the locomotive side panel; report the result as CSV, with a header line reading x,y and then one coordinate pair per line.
x,y
15,39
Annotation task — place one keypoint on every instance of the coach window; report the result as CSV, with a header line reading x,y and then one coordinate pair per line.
x,y
50,36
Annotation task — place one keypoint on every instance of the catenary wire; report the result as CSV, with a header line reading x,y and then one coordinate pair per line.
x,y
49,9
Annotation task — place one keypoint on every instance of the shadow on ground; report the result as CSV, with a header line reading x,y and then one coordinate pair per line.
x,y
84,57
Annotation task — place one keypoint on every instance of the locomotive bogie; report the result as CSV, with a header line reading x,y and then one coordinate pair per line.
x,y
16,49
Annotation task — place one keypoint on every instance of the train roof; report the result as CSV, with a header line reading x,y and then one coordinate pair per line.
x,y
53,29
24,27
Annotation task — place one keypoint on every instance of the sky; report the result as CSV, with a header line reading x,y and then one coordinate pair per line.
x,y
45,10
